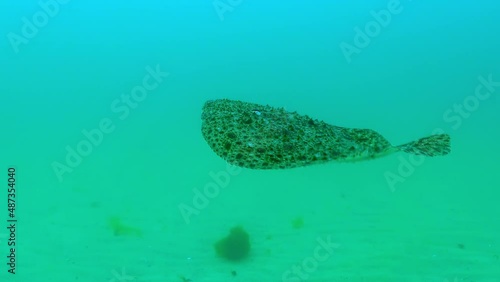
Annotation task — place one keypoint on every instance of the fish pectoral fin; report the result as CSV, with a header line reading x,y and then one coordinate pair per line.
x,y
435,145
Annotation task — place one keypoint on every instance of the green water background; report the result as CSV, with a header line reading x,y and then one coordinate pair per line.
x,y
427,59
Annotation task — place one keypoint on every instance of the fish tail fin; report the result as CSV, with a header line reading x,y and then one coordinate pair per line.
x,y
435,145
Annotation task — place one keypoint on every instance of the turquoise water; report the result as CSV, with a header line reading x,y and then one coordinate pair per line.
x,y
100,112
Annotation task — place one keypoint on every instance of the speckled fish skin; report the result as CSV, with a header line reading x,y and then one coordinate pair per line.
x,y
263,137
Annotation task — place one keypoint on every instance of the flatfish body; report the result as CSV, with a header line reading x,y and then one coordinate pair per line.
x,y
264,137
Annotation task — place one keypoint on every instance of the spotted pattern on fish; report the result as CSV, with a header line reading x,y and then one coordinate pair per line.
x,y
264,137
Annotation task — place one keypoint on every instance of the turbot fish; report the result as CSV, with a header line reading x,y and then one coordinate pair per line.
x,y
264,137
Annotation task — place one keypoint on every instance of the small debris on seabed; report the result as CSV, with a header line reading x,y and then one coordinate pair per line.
x,y
184,279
